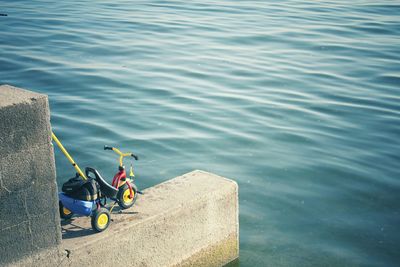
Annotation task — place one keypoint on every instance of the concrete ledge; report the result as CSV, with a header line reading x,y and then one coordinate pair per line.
x,y
191,220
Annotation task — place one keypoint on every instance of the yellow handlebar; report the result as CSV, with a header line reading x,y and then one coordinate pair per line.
x,y
68,156
121,155
79,171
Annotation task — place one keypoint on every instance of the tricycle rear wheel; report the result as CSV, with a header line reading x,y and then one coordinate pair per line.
x,y
100,219
64,212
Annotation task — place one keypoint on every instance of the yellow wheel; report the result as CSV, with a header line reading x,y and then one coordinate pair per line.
x,y
124,199
127,196
64,212
100,219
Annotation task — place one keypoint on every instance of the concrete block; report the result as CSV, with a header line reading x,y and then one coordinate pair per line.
x,y
35,201
50,257
29,233
45,232
34,165
15,241
191,220
24,120
11,209
29,220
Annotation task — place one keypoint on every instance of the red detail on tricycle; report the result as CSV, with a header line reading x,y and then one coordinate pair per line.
x,y
118,177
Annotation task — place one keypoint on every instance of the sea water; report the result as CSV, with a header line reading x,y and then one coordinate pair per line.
x,y
298,101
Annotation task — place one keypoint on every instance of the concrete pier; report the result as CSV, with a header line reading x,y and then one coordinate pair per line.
x,y
191,220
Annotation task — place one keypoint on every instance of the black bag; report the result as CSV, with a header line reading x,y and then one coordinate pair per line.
x,y
78,188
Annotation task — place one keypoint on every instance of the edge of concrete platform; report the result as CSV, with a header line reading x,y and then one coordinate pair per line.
x,y
15,93
197,230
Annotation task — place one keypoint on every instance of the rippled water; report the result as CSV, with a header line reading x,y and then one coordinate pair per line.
x,y
296,100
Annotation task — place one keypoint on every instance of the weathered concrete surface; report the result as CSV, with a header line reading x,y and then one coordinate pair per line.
x,y
29,220
191,220
24,120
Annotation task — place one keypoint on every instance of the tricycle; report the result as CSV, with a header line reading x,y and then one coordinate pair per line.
x,y
87,193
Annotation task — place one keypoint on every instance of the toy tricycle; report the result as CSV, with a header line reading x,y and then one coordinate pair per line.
x,y
87,195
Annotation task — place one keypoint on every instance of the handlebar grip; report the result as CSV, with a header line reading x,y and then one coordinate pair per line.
x,y
136,157
107,148
88,170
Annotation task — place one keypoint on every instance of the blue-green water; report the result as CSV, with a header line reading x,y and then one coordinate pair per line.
x,y
298,101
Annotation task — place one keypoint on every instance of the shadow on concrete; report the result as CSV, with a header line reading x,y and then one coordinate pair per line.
x,y
119,210
128,212
234,263
71,230
81,226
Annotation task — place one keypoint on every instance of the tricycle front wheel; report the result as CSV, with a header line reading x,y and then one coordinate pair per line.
x,y
124,199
